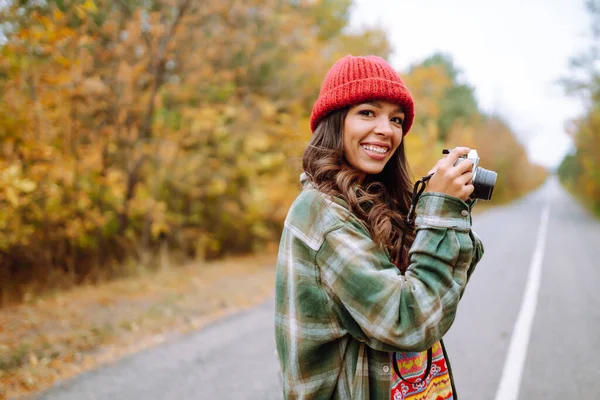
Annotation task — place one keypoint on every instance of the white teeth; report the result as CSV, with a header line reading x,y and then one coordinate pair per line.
x,y
375,149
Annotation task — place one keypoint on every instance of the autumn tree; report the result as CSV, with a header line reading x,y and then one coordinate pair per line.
x,y
580,170
457,103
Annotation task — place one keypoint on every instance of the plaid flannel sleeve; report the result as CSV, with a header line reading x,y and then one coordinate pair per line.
x,y
438,210
388,311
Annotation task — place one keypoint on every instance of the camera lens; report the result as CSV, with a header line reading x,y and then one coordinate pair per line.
x,y
484,183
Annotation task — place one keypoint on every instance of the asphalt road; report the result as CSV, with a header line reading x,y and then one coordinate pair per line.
x,y
547,349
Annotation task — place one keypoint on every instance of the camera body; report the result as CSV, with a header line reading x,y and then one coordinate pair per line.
x,y
483,179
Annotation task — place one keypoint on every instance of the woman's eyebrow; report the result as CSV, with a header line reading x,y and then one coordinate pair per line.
x,y
373,103
378,105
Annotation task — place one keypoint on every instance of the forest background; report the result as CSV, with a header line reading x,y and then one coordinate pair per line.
x,y
131,129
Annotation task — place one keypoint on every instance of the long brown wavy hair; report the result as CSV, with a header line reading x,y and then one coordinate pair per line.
x,y
381,201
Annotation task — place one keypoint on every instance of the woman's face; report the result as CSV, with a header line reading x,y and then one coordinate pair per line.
x,y
372,133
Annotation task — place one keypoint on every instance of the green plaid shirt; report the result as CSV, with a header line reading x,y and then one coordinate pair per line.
x,y
342,307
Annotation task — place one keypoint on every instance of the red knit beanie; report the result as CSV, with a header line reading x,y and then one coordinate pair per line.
x,y
354,80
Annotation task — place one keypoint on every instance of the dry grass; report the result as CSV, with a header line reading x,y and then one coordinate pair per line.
x,y
61,335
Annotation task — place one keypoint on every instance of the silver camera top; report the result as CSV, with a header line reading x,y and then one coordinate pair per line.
x,y
483,180
473,156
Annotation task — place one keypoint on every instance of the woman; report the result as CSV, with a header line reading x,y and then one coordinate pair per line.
x,y
349,293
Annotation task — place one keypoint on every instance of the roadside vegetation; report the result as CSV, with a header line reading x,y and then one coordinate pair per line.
x,y
579,171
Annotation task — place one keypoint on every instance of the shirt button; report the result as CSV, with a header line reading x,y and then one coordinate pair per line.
x,y
464,213
386,368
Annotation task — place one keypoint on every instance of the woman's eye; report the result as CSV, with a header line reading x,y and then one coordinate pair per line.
x,y
367,113
397,120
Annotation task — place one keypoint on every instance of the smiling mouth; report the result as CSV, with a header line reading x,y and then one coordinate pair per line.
x,y
375,149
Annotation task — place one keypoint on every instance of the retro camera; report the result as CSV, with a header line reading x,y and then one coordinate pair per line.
x,y
483,179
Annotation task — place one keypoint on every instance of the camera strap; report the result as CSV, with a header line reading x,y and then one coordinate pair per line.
x,y
418,190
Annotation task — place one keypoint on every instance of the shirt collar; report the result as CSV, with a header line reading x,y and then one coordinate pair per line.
x,y
304,180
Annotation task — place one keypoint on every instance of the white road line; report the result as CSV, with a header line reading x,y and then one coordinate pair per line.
x,y
517,350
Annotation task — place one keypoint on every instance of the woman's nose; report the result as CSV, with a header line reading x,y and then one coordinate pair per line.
x,y
383,127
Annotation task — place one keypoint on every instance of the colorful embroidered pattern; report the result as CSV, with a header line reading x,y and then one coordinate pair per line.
x,y
412,367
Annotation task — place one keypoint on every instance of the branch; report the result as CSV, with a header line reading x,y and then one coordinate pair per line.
x,y
159,70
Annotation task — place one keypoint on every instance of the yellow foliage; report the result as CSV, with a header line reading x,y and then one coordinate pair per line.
x,y
427,85
581,170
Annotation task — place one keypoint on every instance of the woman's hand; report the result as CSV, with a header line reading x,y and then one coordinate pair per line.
x,y
452,180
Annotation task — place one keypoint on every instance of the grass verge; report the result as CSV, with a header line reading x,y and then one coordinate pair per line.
x,y
58,336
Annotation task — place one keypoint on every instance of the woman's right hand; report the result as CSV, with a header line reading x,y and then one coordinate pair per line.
x,y
452,180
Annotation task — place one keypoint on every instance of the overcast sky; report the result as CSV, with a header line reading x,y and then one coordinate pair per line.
x,y
511,51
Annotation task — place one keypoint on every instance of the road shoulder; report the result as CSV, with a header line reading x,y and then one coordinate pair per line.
x,y
60,336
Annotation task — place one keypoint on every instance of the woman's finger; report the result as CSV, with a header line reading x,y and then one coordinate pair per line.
x,y
451,158
467,191
464,178
464,166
